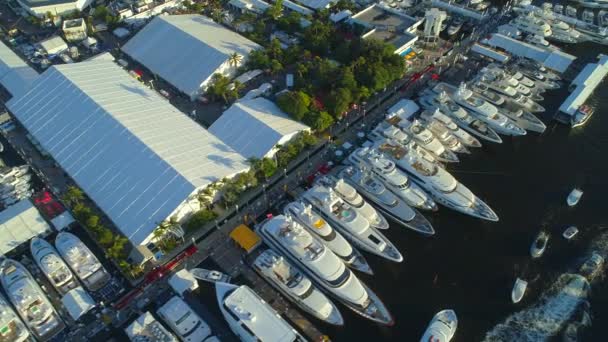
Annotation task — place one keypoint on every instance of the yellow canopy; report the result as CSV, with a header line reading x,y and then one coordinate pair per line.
x,y
245,237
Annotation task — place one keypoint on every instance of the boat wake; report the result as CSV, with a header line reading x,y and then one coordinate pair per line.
x,y
564,306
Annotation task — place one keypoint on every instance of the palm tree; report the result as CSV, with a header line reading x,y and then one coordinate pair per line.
x,y
235,59
73,196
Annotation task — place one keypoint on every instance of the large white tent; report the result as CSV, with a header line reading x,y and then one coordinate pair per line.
x,y
136,156
254,127
186,50
19,223
15,75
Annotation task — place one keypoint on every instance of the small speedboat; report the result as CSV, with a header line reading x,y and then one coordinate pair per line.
x,y
442,327
574,196
592,266
539,245
519,289
570,233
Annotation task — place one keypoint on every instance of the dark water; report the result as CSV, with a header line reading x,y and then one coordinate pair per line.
x,y
470,265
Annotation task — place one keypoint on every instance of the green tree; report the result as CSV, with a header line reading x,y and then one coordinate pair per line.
x,y
294,103
268,167
105,237
258,59
308,139
275,67
220,87
338,101
235,59
275,11
81,212
199,219
320,121
100,12
117,250
73,196
92,222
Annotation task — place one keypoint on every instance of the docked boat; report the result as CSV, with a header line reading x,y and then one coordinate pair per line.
x,y
387,201
581,116
250,318
484,111
574,197
385,130
570,233
464,137
440,184
524,119
53,267
331,238
460,116
444,135
12,328
393,178
210,276
519,289
184,321
484,92
424,138
539,245
1,147
322,266
455,26
350,223
354,199
30,301
510,94
296,286
82,261
442,327
592,266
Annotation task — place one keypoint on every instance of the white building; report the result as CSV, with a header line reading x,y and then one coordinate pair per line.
x,y
136,156
254,6
18,224
40,8
75,30
254,127
184,322
186,50
54,45
584,85
434,18
15,75
147,328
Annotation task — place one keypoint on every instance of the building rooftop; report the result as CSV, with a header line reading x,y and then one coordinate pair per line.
x,y
15,75
397,39
54,45
135,155
183,320
77,302
254,127
384,18
317,4
18,224
183,281
585,82
147,329
73,23
186,50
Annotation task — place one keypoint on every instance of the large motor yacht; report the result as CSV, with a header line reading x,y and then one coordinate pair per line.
x,y
82,261
483,110
487,94
530,24
524,119
352,197
12,328
460,116
334,240
372,188
385,130
437,116
424,138
445,189
352,224
251,318
323,266
30,301
444,135
486,86
296,286
393,178
442,327
184,321
53,267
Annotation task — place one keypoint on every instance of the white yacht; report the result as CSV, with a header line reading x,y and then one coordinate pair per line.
x,y
53,267
483,110
352,197
385,130
443,134
455,26
82,261
293,284
540,41
30,301
593,3
250,318
323,266
188,326
352,224
436,115
540,78
445,189
334,240
530,24
424,138
394,179
487,94
524,119
442,327
526,82
12,328
508,93
564,33
460,116
388,202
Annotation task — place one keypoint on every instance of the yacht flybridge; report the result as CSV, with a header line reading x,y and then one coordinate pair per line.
x,y
394,179
445,189
30,301
387,201
444,135
352,197
385,130
12,328
82,261
53,267
296,286
352,224
323,266
464,137
461,117
334,240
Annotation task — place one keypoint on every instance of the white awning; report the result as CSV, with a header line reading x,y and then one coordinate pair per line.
x,y
183,281
18,224
77,302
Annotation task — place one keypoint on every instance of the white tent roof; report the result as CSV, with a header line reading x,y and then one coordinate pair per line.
x,y
62,220
254,127
586,82
15,75
54,45
132,152
77,302
185,50
404,108
147,328
183,281
18,224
